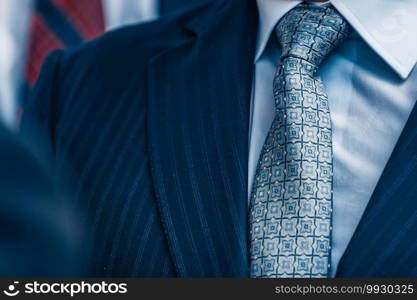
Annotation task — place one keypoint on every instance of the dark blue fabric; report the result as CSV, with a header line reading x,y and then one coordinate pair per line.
x,y
169,6
37,226
153,120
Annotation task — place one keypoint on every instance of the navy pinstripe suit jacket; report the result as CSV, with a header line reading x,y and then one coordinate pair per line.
x,y
153,120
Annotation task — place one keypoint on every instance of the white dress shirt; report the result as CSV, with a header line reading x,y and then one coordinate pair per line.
x,y
14,25
371,90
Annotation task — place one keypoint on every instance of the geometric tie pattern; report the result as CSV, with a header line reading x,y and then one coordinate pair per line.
x,y
291,200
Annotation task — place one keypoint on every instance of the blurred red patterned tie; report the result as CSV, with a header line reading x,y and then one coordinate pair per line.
x,y
58,24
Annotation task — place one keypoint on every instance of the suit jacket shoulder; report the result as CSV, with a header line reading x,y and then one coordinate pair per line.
x,y
126,50
102,70
117,57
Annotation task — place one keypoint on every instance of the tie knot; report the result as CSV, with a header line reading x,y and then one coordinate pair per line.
x,y
311,32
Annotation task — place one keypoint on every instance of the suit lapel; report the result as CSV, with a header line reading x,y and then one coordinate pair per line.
x,y
384,241
199,93
198,110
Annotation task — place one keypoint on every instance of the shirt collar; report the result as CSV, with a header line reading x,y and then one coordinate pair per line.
x,y
389,27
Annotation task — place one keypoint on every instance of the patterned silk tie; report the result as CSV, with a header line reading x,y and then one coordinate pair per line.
x,y
291,201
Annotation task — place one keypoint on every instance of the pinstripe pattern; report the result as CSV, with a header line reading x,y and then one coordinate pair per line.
x,y
149,207
201,174
153,121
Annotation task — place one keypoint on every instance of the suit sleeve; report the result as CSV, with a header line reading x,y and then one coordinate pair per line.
x,y
40,113
48,219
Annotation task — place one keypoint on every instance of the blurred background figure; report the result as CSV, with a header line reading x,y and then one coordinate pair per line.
x,y
39,229
31,29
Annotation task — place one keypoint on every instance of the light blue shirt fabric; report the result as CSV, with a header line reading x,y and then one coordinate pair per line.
x,y
371,90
